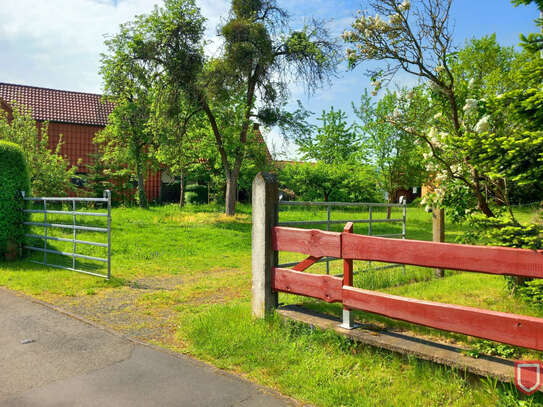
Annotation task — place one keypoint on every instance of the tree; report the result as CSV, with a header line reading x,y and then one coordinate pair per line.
x,y
504,134
125,143
103,175
534,41
482,70
330,182
128,84
334,141
418,40
398,159
259,57
50,173
181,140
511,146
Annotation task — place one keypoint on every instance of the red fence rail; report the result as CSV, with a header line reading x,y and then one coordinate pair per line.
x,y
518,330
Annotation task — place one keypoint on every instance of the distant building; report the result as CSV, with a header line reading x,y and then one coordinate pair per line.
x,y
77,116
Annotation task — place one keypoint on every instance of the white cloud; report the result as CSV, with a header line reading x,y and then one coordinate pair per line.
x,y
57,43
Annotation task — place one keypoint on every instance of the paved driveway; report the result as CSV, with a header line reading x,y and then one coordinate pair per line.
x,y
68,362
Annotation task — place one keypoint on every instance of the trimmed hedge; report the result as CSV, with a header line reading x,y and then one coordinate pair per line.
x,y
14,178
196,194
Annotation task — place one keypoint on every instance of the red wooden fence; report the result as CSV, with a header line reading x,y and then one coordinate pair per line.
x,y
512,329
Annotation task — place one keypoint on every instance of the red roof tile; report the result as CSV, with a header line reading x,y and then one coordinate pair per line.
x,y
58,105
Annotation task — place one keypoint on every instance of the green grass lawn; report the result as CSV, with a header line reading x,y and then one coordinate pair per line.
x,y
181,279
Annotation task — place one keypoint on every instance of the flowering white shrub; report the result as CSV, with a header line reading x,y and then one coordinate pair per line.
x,y
405,6
483,125
470,106
395,19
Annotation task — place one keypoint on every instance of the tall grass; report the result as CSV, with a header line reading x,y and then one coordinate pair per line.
x,y
326,369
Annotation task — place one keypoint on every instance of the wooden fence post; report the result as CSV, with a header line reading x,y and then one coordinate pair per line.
x,y
265,213
438,233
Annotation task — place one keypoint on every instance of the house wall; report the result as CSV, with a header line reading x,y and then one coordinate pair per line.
x,y
77,147
77,142
152,185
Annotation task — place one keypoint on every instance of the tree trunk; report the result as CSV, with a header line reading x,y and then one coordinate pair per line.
x,y
181,190
438,233
231,192
483,206
482,202
142,198
389,209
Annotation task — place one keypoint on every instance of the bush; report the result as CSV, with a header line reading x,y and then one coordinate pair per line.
x,y
50,173
502,231
14,178
505,231
191,197
532,292
196,194
327,182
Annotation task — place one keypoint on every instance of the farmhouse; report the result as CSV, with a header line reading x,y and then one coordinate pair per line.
x,y
77,116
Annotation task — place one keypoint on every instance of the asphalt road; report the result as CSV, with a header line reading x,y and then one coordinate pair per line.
x,y
51,359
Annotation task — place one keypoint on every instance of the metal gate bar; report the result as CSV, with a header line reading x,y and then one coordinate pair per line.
x,y
75,228
64,226
63,239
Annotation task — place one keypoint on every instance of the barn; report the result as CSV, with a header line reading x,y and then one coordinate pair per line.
x,y
77,116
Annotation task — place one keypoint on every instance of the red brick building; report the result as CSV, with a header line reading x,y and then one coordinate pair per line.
x,y
77,116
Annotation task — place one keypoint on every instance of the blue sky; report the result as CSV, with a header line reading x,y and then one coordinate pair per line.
x,y
56,43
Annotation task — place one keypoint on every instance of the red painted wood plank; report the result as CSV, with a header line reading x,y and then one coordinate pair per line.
x,y
324,287
316,243
484,259
348,263
518,330
304,265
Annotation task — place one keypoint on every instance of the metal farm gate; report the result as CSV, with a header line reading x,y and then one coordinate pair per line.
x,y
371,221
43,205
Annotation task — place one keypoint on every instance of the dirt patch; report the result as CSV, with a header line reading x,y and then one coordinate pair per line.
x,y
159,282
148,309
120,309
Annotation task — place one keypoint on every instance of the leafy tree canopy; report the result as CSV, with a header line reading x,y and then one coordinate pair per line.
x,y
398,159
330,182
260,56
534,41
333,142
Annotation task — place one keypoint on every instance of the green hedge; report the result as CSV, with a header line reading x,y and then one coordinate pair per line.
x,y
14,178
196,194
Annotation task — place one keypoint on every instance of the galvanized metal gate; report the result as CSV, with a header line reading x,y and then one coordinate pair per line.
x,y
371,221
76,227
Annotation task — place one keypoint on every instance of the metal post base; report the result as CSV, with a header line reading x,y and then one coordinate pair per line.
x,y
348,320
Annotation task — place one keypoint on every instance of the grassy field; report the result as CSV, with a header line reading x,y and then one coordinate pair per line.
x,y
182,281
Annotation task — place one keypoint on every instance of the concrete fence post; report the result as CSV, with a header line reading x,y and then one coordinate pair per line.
x,y
438,233
265,213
